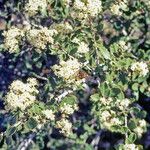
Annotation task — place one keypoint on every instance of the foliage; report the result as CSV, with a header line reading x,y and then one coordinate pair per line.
x,y
101,51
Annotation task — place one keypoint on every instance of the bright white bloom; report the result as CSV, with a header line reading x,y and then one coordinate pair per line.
x,y
142,123
92,7
141,68
33,6
115,121
141,128
12,39
66,2
68,109
78,4
49,114
21,95
40,120
108,119
124,45
117,8
139,131
76,40
123,104
83,48
130,147
106,114
106,101
67,69
40,37
79,15
65,27
65,126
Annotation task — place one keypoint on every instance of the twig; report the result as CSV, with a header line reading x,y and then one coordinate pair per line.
x,y
96,140
59,98
40,77
26,142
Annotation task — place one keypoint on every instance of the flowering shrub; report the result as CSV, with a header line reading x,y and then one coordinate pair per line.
x,y
94,86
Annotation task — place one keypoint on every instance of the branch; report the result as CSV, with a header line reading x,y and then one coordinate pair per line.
x,y
26,142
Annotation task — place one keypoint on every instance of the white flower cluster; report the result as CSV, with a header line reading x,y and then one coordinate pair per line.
x,y
65,126
66,2
33,6
12,39
68,109
92,7
124,45
40,120
141,68
49,114
40,37
83,47
141,128
21,95
67,69
106,101
109,118
63,27
130,147
122,104
117,7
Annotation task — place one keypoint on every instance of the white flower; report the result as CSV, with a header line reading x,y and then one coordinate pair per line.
x,y
141,68
66,2
12,39
40,37
21,95
92,7
109,119
68,109
64,27
105,101
105,114
67,69
65,126
141,128
49,114
123,104
139,131
78,4
117,8
124,45
115,121
83,48
33,6
76,40
130,147
142,123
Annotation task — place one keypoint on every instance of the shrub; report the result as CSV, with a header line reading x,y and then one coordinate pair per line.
x,y
102,67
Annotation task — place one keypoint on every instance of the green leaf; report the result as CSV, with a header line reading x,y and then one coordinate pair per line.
x,y
131,138
31,123
95,97
104,89
124,130
116,92
10,131
135,86
69,100
104,52
131,124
